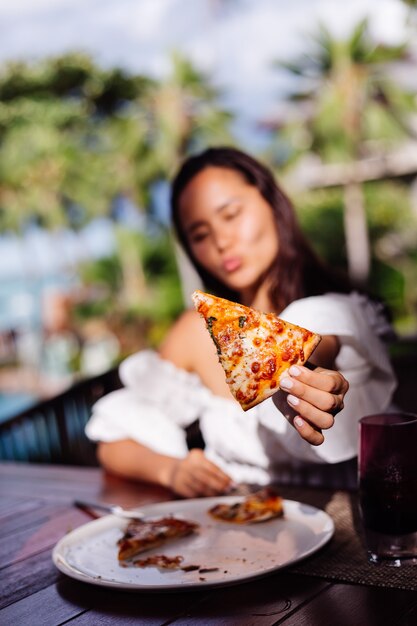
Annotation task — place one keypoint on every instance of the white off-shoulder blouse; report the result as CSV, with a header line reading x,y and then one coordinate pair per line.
x,y
159,400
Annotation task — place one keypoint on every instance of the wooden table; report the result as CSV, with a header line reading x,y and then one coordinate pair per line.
x,y
36,511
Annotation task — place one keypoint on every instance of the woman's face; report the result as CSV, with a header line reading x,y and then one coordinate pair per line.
x,y
230,227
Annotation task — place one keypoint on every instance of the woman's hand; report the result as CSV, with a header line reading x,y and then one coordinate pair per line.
x,y
196,476
315,397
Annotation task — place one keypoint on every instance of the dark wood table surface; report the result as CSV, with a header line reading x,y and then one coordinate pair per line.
x,y
36,511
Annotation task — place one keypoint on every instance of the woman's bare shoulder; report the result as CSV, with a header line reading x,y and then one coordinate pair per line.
x,y
189,322
184,339
189,346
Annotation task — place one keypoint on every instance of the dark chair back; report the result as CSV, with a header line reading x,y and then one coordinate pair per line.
x,y
52,431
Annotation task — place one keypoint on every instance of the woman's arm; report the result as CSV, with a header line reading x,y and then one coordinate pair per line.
x,y
131,459
190,477
189,346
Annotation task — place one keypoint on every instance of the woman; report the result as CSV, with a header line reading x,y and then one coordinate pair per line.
x,y
241,234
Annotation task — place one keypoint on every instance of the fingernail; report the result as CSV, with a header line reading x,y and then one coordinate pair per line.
x,y
298,421
292,400
286,383
294,370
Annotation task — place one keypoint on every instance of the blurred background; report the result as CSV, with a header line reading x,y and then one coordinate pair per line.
x,y
101,100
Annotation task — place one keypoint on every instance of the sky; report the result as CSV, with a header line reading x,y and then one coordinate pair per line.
x,y
234,41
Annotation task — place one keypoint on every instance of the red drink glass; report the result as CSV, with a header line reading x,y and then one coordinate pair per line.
x,y
388,486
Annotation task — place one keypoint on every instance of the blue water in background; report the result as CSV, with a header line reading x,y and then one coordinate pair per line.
x,y
21,299
37,261
21,309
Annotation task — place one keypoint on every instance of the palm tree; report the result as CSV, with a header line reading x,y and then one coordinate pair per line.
x,y
75,137
184,115
350,108
55,152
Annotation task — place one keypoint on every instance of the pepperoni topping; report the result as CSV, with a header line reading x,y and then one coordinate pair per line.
x,y
287,352
269,368
248,396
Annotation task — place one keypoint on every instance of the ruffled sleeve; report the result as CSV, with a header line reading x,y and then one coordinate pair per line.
x,y
157,402
362,359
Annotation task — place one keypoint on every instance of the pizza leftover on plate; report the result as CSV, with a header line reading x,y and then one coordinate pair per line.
x,y
141,535
162,561
259,506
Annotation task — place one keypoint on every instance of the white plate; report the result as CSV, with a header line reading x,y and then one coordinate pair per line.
x,y
240,553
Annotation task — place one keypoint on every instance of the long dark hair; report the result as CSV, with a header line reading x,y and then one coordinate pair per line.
x,y
297,271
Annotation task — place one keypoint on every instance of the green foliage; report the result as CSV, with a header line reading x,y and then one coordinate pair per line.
x,y
348,97
388,207
105,273
72,133
321,217
72,76
74,137
388,283
103,278
346,107
388,214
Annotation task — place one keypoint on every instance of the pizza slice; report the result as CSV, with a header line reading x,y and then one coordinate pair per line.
x,y
141,535
162,561
257,507
254,348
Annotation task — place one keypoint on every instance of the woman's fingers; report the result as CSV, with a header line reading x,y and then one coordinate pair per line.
x,y
208,471
322,389
320,378
209,484
197,476
318,418
316,396
307,432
